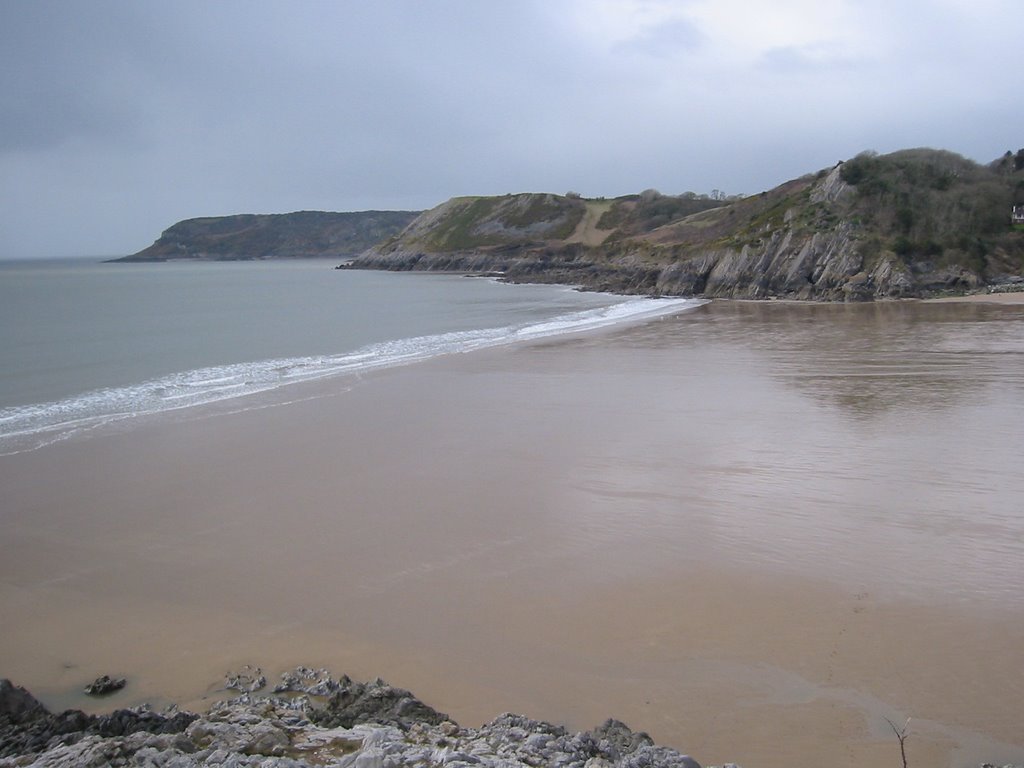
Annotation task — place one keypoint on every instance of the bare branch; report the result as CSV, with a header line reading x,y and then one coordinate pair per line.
x,y
901,734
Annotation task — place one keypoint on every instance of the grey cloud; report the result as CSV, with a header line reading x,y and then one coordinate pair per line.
x,y
119,117
48,63
665,40
808,58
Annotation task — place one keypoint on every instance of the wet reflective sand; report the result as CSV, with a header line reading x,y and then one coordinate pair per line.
x,y
754,530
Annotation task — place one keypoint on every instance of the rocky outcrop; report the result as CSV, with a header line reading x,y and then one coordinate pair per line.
x,y
829,266
28,728
105,685
360,725
304,234
352,703
247,679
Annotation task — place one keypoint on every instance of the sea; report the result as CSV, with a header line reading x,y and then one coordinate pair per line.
x,y
86,343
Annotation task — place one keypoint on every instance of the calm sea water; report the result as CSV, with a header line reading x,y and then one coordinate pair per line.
x,y
84,343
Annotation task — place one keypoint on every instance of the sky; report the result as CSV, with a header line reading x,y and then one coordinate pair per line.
x,y
120,117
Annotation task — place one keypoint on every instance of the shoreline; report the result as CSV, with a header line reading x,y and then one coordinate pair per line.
x,y
30,425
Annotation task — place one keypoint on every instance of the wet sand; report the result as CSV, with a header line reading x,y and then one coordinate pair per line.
x,y
1006,297
754,531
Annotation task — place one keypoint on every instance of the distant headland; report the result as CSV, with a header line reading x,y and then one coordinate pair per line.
x,y
246,237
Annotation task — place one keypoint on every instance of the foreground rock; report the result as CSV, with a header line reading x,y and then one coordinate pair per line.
x,y
29,730
310,720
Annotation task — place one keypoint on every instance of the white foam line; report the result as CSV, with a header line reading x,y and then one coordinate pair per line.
x,y
31,426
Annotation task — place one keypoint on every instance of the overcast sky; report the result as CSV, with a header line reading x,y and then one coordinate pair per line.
x,y
120,117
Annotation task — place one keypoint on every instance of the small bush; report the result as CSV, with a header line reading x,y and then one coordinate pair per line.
x,y
902,246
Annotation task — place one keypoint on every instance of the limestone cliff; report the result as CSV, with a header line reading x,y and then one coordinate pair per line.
x,y
913,223
304,234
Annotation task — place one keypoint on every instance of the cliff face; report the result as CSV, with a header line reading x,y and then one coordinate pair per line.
x,y
914,223
304,234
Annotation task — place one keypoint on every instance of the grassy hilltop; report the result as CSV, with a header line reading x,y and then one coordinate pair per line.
x,y
912,223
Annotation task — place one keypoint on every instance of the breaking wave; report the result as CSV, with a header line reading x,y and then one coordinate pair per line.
x,y
27,427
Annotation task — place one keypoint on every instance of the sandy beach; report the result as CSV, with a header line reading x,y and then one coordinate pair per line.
x,y
754,531
1006,297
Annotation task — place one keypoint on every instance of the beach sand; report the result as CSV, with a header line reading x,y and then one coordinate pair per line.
x,y
1009,297
694,526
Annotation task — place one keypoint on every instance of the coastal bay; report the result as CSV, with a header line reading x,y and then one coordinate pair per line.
x,y
752,530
